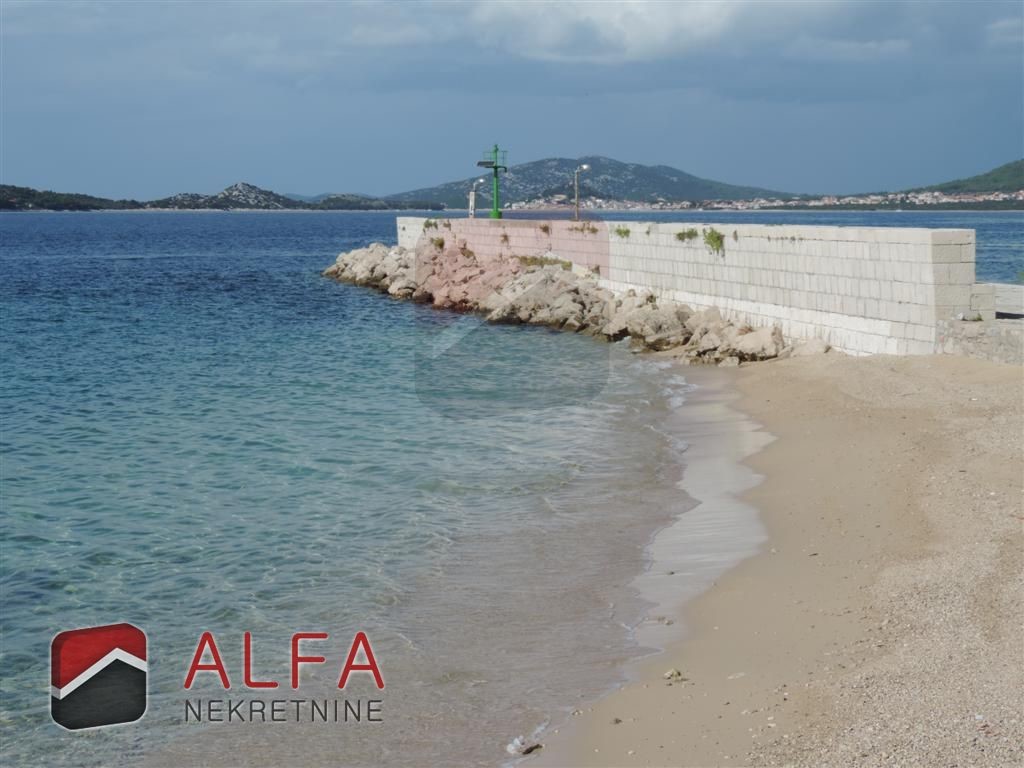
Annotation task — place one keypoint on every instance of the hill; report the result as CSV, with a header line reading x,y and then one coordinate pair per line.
x,y
26,199
241,196
1005,178
607,178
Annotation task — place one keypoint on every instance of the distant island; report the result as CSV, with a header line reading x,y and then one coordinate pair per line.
x,y
239,196
547,184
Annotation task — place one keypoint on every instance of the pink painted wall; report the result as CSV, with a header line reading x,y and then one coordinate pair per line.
x,y
584,243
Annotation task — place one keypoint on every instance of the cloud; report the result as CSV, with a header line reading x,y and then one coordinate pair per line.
x,y
604,32
769,47
1006,31
824,49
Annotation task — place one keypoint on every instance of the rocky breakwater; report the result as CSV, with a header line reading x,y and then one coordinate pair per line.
x,y
546,291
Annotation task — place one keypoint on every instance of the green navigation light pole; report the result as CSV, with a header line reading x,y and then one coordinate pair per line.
x,y
496,163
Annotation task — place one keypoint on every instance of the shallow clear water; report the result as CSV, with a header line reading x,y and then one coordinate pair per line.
x,y
200,432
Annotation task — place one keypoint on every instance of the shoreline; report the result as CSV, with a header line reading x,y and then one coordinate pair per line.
x,y
719,529
568,211
822,648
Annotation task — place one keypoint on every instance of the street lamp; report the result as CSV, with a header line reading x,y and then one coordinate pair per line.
x,y
576,184
472,198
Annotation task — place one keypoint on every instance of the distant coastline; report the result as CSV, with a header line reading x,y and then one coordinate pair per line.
x,y
237,197
625,206
543,185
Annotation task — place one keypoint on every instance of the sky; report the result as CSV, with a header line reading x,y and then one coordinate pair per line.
x,y
147,99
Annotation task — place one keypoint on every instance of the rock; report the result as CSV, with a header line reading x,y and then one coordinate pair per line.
x,y
708,318
452,276
402,287
652,321
810,347
673,674
730,362
709,341
761,344
518,746
663,341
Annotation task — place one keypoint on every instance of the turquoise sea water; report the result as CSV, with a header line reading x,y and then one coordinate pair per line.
x,y
199,432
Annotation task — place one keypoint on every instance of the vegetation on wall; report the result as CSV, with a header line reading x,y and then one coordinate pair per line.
x,y
543,261
714,240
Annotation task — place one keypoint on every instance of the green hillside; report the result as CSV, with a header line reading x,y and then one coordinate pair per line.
x,y
1005,178
27,199
239,196
607,178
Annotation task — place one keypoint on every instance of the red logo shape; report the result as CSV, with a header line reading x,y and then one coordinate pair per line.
x,y
98,676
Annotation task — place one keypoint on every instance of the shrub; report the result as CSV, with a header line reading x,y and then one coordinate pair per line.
x,y
622,232
687,234
714,240
438,242
543,261
545,228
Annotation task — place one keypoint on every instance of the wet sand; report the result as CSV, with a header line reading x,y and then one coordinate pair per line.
x,y
880,623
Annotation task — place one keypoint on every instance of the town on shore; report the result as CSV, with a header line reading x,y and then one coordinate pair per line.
x,y
891,200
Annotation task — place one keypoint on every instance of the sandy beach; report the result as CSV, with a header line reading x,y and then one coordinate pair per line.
x,y
880,623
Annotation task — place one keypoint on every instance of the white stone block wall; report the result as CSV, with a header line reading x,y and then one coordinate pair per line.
x,y
864,290
409,230
1009,298
983,301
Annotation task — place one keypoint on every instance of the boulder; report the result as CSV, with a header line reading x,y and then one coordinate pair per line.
x,y
761,344
810,347
650,320
708,342
402,287
705,319
454,277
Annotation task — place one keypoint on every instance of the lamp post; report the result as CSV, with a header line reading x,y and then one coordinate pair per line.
x,y
472,198
576,184
495,163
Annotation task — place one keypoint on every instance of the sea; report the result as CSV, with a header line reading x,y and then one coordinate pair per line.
x,y
199,433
